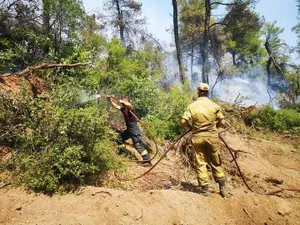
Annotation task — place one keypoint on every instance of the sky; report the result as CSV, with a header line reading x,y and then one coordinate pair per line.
x,y
159,19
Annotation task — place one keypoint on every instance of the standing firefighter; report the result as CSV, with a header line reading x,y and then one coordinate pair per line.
x,y
132,130
204,116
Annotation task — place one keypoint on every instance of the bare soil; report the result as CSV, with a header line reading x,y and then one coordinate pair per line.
x,y
168,195
12,84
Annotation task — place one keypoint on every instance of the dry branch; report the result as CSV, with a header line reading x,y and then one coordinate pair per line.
x,y
43,66
249,215
281,190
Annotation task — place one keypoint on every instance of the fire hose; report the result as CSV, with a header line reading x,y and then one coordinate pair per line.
x,y
161,158
171,146
233,157
177,140
235,162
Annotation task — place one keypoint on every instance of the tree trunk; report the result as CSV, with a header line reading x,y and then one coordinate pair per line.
x,y
204,51
192,61
233,58
203,56
272,59
177,41
121,22
268,68
46,26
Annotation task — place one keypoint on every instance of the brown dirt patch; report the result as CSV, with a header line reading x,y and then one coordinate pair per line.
x,y
167,195
12,84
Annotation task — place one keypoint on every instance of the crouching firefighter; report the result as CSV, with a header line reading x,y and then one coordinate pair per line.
x,y
132,129
203,116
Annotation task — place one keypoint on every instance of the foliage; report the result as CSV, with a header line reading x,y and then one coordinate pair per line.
x,y
296,29
135,75
124,17
242,31
192,16
278,57
35,31
280,121
164,120
58,144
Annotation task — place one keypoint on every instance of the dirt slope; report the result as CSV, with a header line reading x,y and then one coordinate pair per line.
x,y
166,196
107,206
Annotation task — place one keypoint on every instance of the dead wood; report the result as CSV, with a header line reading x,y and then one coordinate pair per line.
x,y
283,189
249,215
29,70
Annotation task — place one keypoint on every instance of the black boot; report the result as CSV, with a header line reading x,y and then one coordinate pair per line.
x,y
222,189
204,190
148,162
122,151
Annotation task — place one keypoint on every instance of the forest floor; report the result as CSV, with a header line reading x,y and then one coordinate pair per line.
x,y
167,194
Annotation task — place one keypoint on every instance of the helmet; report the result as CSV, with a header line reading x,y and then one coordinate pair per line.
x,y
203,87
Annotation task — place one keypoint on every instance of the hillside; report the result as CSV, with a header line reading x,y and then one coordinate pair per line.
x,y
75,84
166,195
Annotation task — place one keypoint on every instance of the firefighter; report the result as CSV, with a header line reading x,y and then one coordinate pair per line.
x,y
132,129
203,117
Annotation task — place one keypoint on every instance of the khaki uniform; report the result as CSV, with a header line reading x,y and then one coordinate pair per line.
x,y
204,115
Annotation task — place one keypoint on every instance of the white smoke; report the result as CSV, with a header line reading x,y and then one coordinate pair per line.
x,y
250,88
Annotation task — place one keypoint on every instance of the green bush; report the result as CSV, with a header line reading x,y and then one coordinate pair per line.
x,y
164,120
58,144
47,171
281,120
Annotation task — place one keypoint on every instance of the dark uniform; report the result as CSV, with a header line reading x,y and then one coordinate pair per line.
x,y
132,131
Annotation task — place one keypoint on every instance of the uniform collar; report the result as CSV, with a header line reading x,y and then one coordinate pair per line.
x,y
202,97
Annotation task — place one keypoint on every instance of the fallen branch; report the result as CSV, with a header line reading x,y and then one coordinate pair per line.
x,y
104,192
283,189
43,66
4,185
249,215
158,161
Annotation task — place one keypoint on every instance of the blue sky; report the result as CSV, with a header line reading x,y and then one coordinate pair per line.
x,y
159,19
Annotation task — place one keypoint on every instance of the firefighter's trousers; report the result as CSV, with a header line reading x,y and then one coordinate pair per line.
x,y
207,151
133,132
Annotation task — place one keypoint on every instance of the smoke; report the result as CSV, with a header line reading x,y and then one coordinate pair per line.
x,y
250,87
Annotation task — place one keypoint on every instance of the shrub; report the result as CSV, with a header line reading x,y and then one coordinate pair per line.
x,y
281,120
58,144
164,120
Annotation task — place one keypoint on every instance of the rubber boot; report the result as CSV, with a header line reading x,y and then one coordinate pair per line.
x,y
205,191
222,189
148,163
121,149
